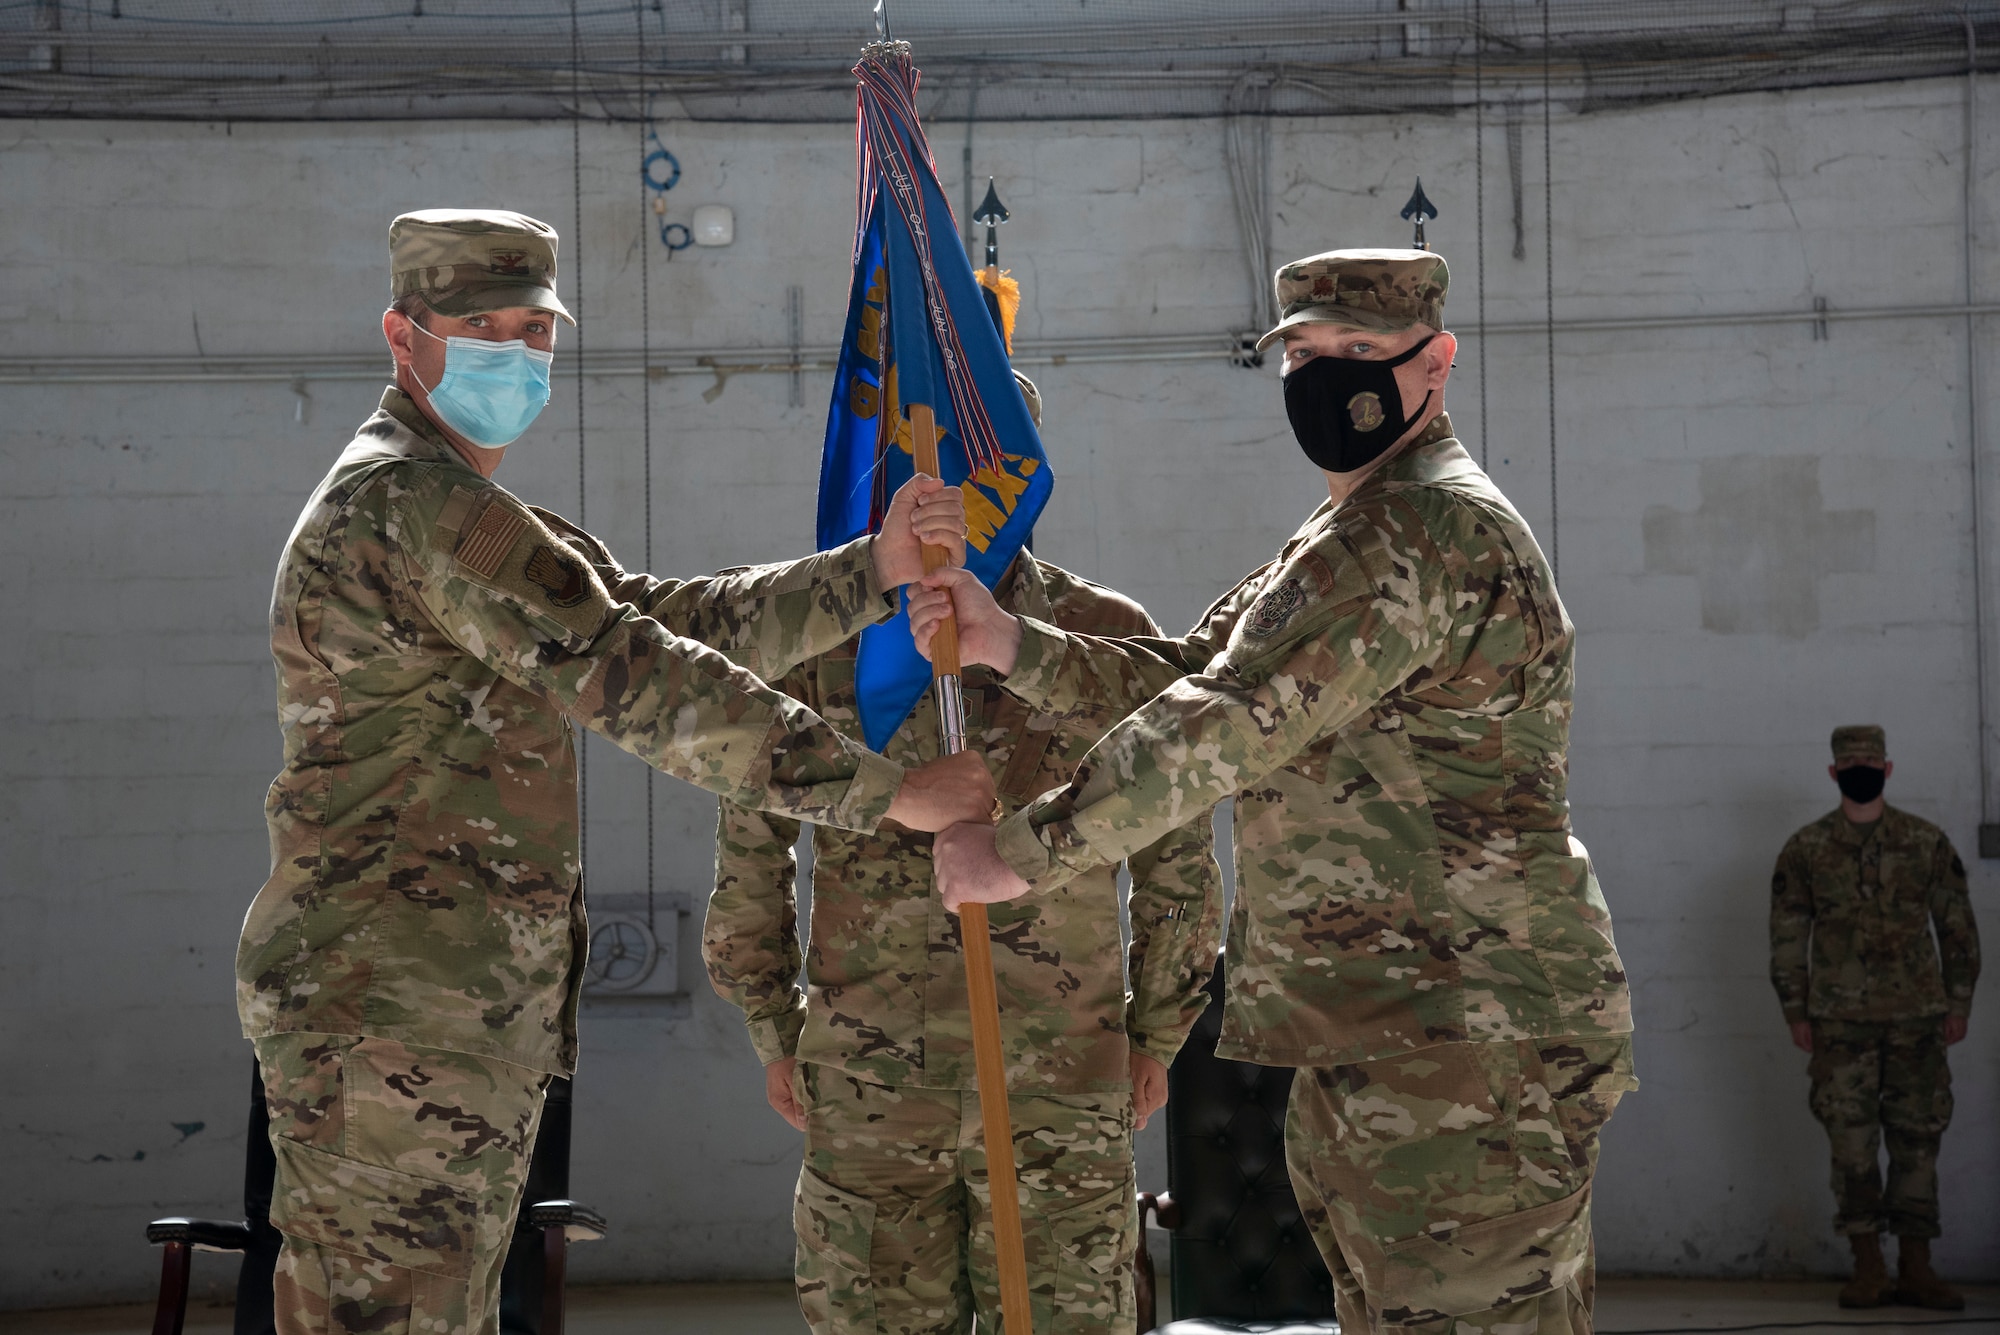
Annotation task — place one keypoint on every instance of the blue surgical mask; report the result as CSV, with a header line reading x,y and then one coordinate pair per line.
x,y
490,392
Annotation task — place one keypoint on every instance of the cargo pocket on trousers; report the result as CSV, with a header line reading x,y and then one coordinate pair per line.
x,y
1096,1243
836,1231
367,1210
1488,1264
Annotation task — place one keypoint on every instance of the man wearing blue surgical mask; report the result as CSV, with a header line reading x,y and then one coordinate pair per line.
x,y
409,974
481,379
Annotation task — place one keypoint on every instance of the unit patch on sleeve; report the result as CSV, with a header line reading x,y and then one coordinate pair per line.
x,y
558,575
486,545
1275,607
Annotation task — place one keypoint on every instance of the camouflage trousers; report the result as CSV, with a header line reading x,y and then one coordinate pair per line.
x,y
400,1170
1449,1190
894,1214
1877,1081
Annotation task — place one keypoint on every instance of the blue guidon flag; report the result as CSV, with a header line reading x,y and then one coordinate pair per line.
x,y
918,332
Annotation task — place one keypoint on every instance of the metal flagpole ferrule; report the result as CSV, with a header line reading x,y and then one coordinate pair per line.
x,y
951,712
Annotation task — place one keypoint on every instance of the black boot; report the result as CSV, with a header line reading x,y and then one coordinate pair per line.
x,y
1917,1285
1870,1285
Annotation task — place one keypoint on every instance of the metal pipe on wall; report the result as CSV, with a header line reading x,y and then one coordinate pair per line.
x,y
1985,619
725,362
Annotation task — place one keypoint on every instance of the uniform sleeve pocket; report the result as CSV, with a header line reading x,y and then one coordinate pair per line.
x,y
1485,1265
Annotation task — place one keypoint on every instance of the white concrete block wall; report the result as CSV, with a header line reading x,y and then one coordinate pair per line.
x,y
140,524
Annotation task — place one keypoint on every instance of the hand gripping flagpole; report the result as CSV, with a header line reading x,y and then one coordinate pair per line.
x,y
982,997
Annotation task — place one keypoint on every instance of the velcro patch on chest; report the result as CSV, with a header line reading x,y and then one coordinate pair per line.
x,y
486,544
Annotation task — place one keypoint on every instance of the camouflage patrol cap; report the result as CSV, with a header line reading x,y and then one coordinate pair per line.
x,y
1384,290
1033,396
468,261
1860,741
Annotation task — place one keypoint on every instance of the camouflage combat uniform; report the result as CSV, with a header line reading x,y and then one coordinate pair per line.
x,y
1415,926
1853,908
892,1208
410,972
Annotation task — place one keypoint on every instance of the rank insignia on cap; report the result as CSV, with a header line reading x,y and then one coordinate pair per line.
x,y
561,577
1275,608
1366,410
512,263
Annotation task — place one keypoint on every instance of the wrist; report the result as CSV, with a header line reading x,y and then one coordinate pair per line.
x,y
880,565
1007,647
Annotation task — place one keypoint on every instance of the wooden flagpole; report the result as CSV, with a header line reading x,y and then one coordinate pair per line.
x,y
982,997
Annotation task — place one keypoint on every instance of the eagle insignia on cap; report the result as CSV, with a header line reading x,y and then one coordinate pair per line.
x,y
509,263
1366,410
560,577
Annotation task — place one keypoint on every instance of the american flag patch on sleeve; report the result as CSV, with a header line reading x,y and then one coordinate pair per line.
x,y
489,540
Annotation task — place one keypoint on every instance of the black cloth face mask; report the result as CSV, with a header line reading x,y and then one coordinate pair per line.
x,y
1861,784
1345,413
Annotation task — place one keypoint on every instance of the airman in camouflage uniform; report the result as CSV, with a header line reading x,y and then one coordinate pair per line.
x,y
873,1057
1388,702
409,974
1855,899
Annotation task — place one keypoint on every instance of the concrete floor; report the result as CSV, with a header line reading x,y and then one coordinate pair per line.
x,y
1624,1306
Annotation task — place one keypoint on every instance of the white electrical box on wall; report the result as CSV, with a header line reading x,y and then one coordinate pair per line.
x,y
714,225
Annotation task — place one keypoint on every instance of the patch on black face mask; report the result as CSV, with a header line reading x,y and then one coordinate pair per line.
x,y
1346,413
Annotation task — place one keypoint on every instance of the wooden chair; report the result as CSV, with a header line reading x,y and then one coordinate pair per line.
x,y
1243,1259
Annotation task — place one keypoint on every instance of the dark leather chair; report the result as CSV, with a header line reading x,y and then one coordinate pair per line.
x,y
531,1284
1243,1259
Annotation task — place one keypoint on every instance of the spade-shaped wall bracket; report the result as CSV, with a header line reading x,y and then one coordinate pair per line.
x,y
1418,209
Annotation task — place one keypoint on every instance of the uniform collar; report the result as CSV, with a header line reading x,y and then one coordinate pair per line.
x,y
1434,456
1024,591
1847,832
426,440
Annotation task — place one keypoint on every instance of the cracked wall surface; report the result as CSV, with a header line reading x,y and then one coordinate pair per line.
x,y
1763,534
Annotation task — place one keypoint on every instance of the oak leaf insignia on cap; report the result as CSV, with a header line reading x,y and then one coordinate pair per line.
x,y
462,262
1383,290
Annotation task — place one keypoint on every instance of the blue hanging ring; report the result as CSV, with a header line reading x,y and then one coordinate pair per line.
x,y
667,231
661,154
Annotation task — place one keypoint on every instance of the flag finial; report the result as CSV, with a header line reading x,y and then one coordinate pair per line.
x,y
991,212
1418,209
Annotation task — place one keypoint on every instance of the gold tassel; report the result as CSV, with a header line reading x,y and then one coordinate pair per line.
x,y
1002,284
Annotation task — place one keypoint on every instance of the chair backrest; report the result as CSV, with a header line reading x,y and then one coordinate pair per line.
x,y
1242,1252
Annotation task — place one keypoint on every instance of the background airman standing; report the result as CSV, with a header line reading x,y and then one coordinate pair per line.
x,y
1876,1000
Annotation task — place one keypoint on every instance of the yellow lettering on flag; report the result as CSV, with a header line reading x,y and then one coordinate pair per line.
x,y
863,398
868,334
983,519
986,515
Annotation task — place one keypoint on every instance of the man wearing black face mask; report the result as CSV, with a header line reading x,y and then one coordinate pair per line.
x,y
1416,929
1854,901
